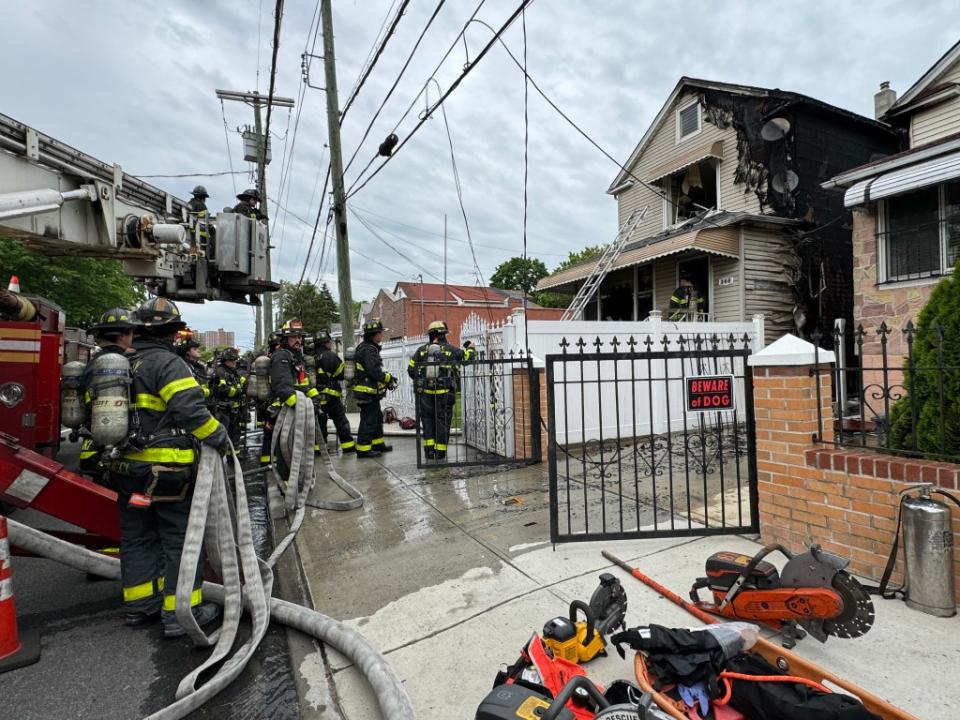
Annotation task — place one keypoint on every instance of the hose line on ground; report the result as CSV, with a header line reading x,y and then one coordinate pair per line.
x,y
248,580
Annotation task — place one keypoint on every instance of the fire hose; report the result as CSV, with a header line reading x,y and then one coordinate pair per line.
x,y
210,525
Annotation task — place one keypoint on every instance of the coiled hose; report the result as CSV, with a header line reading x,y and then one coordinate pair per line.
x,y
231,551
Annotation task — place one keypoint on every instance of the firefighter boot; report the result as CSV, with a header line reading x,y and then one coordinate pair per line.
x,y
204,614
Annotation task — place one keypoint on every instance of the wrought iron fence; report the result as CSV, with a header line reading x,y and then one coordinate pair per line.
x,y
651,438
902,396
488,415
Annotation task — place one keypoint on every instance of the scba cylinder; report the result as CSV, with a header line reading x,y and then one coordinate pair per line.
x,y
109,390
928,554
260,378
71,404
310,367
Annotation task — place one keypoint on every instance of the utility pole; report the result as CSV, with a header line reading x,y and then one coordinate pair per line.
x,y
258,101
336,173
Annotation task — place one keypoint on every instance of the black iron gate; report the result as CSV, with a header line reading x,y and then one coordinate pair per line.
x,y
651,438
491,417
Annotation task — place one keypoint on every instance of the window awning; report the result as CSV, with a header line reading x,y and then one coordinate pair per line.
x,y
685,160
722,241
904,180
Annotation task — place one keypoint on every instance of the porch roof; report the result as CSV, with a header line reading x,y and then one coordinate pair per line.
x,y
723,241
904,179
685,160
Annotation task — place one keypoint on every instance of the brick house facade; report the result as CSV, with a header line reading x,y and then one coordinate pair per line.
x,y
410,308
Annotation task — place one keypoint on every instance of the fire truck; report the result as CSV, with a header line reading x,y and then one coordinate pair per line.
x,y
61,201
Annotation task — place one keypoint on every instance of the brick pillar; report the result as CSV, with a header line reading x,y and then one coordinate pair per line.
x,y
522,416
785,397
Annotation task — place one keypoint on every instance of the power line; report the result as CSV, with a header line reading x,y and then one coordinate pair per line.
x,y
379,52
429,112
393,87
188,175
376,41
424,231
656,191
389,245
226,136
277,18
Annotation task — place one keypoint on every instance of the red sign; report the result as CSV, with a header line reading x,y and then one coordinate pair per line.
x,y
710,393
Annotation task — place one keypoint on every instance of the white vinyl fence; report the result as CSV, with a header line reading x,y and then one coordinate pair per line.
x,y
396,355
605,398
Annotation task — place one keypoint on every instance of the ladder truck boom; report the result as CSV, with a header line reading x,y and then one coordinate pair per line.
x,y
61,201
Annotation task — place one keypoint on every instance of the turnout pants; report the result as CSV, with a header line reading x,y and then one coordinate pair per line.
x,y
151,543
436,414
230,419
370,432
334,410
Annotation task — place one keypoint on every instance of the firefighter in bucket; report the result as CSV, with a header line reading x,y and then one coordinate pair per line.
x,y
434,369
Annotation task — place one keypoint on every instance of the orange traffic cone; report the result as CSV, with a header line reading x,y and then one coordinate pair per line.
x,y
15,650
14,285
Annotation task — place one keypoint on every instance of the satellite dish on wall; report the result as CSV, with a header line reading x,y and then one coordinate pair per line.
x,y
785,182
775,129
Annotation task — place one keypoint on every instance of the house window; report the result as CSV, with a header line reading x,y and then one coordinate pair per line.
x,y
692,191
688,120
920,233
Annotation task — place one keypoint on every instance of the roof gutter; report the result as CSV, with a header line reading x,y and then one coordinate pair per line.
x,y
845,180
934,99
625,185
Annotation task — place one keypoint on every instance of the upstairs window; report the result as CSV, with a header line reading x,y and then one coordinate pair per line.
x,y
688,120
691,192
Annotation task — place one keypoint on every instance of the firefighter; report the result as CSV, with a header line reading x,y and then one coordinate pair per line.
x,y
189,349
287,371
156,471
266,411
197,208
686,303
330,384
114,334
434,371
249,200
371,383
228,393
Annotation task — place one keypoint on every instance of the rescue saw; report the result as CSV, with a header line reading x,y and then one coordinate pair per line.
x,y
580,641
813,592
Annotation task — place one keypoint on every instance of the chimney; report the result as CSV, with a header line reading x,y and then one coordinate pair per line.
x,y
883,99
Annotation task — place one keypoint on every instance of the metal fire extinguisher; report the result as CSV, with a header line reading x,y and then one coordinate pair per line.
x,y
928,551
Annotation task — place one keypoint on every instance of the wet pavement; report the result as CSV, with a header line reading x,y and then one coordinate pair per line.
x,y
450,571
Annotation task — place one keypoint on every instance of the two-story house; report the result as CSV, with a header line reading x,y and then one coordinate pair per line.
x,y
906,207
731,178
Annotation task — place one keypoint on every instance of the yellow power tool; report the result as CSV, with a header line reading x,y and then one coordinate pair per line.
x,y
580,641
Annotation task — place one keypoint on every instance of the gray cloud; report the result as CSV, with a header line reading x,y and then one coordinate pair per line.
x,y
134,83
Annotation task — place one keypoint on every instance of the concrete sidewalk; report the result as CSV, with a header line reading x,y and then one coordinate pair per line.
x,y
449,572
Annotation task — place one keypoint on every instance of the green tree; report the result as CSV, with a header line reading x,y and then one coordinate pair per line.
x,y
82,287
590,252
312,304
932,377
519,273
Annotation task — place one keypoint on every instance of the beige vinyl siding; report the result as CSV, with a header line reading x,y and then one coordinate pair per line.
x,y
766,289
933,123
664,283
936,122
660,149
726,299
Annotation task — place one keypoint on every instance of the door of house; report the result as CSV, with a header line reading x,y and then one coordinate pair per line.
x,y
699,269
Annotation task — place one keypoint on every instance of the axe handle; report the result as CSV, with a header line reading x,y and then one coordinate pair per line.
x,y
779,657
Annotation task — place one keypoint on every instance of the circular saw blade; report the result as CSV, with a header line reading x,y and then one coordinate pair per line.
x,y
858,613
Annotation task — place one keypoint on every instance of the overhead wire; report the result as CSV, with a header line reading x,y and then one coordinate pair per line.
x,y
396,82
286,172
429,112
373,47
226,137
373,63
188,175
656,191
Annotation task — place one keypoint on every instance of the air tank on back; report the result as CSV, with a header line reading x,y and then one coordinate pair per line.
x,y
71,404
109,390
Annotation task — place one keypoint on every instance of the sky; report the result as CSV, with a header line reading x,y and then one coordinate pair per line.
x,y
134,83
